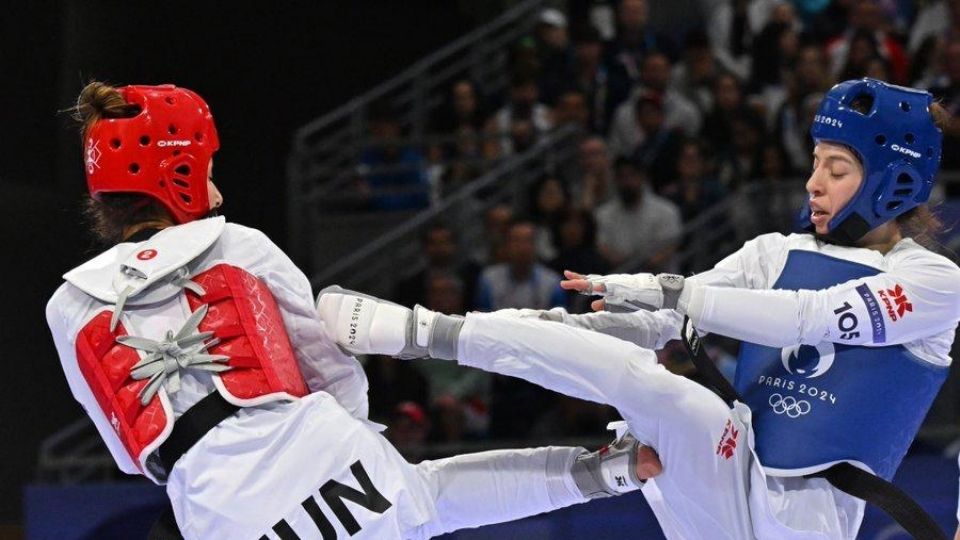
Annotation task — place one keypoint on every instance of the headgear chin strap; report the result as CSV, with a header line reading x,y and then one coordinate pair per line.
x,y
162,152
897,144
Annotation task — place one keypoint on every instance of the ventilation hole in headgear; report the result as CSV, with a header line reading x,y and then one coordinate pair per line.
x,y
172,129
170,100
929,151
198,136
909,138
144,140
163,183
134,168
183,170
186,198
904,178
176,152
904,106
181,183
905,192
893,205
863,103
115,143
881,140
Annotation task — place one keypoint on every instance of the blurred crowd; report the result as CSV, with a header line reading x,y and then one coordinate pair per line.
x,y
670,124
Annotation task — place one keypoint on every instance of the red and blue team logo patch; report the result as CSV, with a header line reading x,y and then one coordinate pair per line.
x,y
896,302
728,441
147,254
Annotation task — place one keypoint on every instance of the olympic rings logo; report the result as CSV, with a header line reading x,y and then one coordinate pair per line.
x,y
789,405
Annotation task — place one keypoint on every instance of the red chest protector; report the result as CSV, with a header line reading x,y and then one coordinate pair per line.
x,y
242,314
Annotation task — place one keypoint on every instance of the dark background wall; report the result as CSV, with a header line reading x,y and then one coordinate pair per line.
x,y
265,67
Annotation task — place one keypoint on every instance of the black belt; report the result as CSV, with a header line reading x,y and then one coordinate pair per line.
x,y
843,476
192,425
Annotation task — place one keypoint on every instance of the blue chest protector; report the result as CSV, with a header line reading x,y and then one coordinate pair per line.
x,y
816,405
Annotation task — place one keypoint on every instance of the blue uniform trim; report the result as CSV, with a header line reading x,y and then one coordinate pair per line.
x,y
876,316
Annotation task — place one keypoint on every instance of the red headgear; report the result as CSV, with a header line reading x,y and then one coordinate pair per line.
x,y
162,152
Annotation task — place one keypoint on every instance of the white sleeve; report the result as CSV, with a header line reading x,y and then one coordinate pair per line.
x,y
324,366
653,330
78,386
919,298
647,329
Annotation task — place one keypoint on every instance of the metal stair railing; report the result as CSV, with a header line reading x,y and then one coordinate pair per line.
x,y
340,181
323,146
392,256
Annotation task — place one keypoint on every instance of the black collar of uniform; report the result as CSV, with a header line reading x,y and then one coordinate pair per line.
x,y
143,234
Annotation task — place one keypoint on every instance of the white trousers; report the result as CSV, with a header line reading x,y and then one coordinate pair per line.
x,y
706,447
299,477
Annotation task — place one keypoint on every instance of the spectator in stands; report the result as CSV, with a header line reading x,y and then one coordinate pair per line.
x,y
634,40
778,196
791,120
521,281
570,108
867,16
740,161
878,68
441,256
926,64
767,207
657,150
554,54
728,104
490,244
947,92
830,21
550,200
524,56
602,89
693,77
591,180
693,189
638,224
465,162
572,417
577,249
940,19
679,112
392,383
522,119
863,50
459,396
392,175
461,109
408,430
734,25
774,53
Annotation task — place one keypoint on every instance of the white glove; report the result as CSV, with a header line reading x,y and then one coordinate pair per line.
x,y
630,292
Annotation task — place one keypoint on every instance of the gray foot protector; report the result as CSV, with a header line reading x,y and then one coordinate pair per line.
x,y
610,471
442,341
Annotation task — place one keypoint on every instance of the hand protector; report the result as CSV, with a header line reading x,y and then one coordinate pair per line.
x,y
631,292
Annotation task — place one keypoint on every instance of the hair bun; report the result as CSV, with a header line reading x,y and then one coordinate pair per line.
x,y
100,100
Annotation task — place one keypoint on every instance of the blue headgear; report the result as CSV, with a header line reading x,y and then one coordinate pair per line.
x,y
898,146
